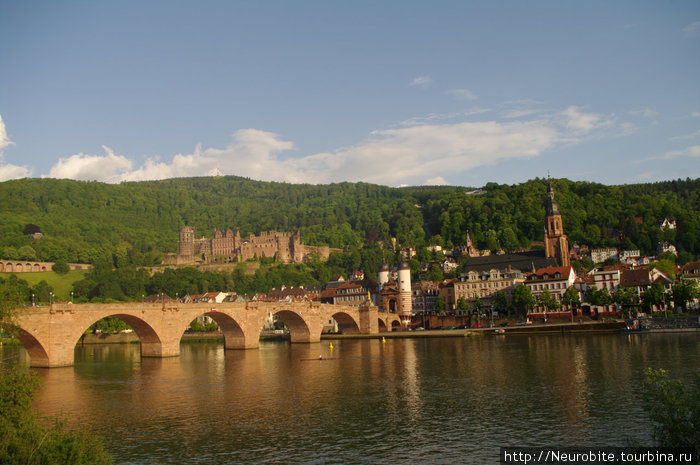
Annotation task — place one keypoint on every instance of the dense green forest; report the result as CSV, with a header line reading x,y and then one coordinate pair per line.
x,y
135,222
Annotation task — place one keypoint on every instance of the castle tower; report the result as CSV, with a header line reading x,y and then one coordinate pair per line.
x,y
383,275
185,246
405,302
556,244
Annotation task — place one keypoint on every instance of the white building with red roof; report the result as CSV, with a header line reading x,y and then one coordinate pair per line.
x,y
556,279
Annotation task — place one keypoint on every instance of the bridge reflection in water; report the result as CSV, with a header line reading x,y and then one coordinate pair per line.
x,y
50,333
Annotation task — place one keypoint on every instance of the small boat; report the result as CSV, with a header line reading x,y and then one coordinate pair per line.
x,y
323,359
500,331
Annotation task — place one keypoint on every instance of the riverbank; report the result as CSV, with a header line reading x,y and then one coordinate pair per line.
x,y
555,328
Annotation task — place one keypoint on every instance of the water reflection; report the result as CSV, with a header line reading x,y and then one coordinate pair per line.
x,y
408,401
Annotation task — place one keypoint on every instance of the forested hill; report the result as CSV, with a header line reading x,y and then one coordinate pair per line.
x,y
80,221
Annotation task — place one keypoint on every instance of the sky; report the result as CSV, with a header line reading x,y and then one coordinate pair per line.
x,y
386,92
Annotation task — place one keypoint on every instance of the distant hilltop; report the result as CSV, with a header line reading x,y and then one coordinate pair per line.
x,y
228,246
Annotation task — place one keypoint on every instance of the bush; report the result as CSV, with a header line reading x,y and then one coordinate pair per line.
x,y
674,410
61,267
28,438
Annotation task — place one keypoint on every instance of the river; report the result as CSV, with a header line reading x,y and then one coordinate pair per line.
x,y
417,401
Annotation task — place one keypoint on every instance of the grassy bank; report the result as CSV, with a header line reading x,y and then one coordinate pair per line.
x,y
61,283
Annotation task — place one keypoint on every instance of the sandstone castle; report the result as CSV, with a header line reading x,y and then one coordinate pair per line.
x,y
228,246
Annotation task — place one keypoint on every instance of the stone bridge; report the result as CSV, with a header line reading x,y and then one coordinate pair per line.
x,y
50,333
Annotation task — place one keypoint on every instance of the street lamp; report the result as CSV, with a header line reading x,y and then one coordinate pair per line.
x,y
71,296
33,300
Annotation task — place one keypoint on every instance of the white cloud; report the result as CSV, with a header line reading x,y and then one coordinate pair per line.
x,y
692,152
410,155
8,171
695,114
421,81
583,123
422,150
514,114
686,136
437,181
107,168
464,94
692,29
4,139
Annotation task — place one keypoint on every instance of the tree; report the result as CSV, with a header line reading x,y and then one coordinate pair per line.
x,y
30,229
683,292
674,410
462,304
476,307
439,305
598,297
61,267
522,299
653,297
571,298
27,437
627,298
548,301
500,302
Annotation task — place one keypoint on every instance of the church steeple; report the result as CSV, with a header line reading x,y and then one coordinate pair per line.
x,y
556,244
552,205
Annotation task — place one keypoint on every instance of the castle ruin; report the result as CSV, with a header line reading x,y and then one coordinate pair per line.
x,y
229,246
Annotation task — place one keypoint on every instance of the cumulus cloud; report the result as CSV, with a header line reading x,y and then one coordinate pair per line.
x,y
421,81
8,171
397,156
106,168
418,151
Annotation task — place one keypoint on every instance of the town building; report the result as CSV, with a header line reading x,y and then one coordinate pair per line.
x,y
599,255
555,279
351,293
630,257
691,271
666,247
483,285
423,296
668,224
641,279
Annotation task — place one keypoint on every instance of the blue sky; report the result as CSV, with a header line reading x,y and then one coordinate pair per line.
x,y
387,92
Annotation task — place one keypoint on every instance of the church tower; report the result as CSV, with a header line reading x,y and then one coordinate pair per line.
x,y
555,243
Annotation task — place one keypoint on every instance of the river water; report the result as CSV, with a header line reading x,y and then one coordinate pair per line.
x,y
408,401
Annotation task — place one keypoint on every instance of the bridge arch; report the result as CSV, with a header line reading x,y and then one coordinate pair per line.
x,y
151,344
346,323
382,326
38,355
299,331
234,336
